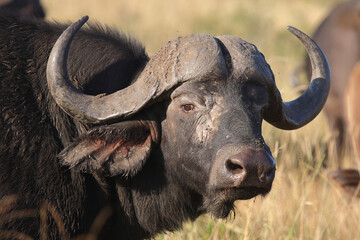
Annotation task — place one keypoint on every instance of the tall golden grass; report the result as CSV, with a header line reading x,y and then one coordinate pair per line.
x,y
304,203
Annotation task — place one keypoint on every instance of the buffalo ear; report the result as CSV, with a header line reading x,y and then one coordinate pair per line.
x,y
119,149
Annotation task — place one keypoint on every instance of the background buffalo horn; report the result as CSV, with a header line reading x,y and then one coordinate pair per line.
x,y
197,54
299,112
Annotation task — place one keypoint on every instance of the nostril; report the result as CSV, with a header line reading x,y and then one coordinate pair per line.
x,y
234,167
270,173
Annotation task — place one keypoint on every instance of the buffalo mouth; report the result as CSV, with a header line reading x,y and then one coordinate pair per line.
x,y
243,193
220,201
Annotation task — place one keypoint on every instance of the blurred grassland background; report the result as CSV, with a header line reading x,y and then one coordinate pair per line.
x,y
304,203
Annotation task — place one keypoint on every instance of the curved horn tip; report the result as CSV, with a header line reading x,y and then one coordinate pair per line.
x,y
291,28
299,34
294,31
83,19
79,23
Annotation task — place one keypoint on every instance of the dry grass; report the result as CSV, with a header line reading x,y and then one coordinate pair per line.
x,y
304,203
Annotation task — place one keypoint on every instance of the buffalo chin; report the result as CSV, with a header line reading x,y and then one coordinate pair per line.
x,y
220,202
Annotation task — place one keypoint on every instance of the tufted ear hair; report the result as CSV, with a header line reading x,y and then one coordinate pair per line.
x,y
118,149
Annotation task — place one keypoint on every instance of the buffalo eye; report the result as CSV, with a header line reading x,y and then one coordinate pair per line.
x,y
187,107
256,93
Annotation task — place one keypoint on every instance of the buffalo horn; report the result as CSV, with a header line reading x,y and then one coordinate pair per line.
x,y
299,112
88,108
202,57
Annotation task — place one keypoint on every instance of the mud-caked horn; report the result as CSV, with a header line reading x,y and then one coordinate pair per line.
x,y
180,60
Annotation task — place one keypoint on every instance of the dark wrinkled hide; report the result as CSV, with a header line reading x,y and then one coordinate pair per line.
x,y
29,8
34,130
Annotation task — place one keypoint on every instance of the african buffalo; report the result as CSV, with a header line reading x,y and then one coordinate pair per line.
x,y
349,179
352,108
339,37
145,144
30,8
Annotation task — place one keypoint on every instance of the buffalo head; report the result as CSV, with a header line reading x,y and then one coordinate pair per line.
x,y
196,109
30,8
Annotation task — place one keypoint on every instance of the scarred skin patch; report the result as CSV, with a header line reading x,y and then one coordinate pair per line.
x,y
208,122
